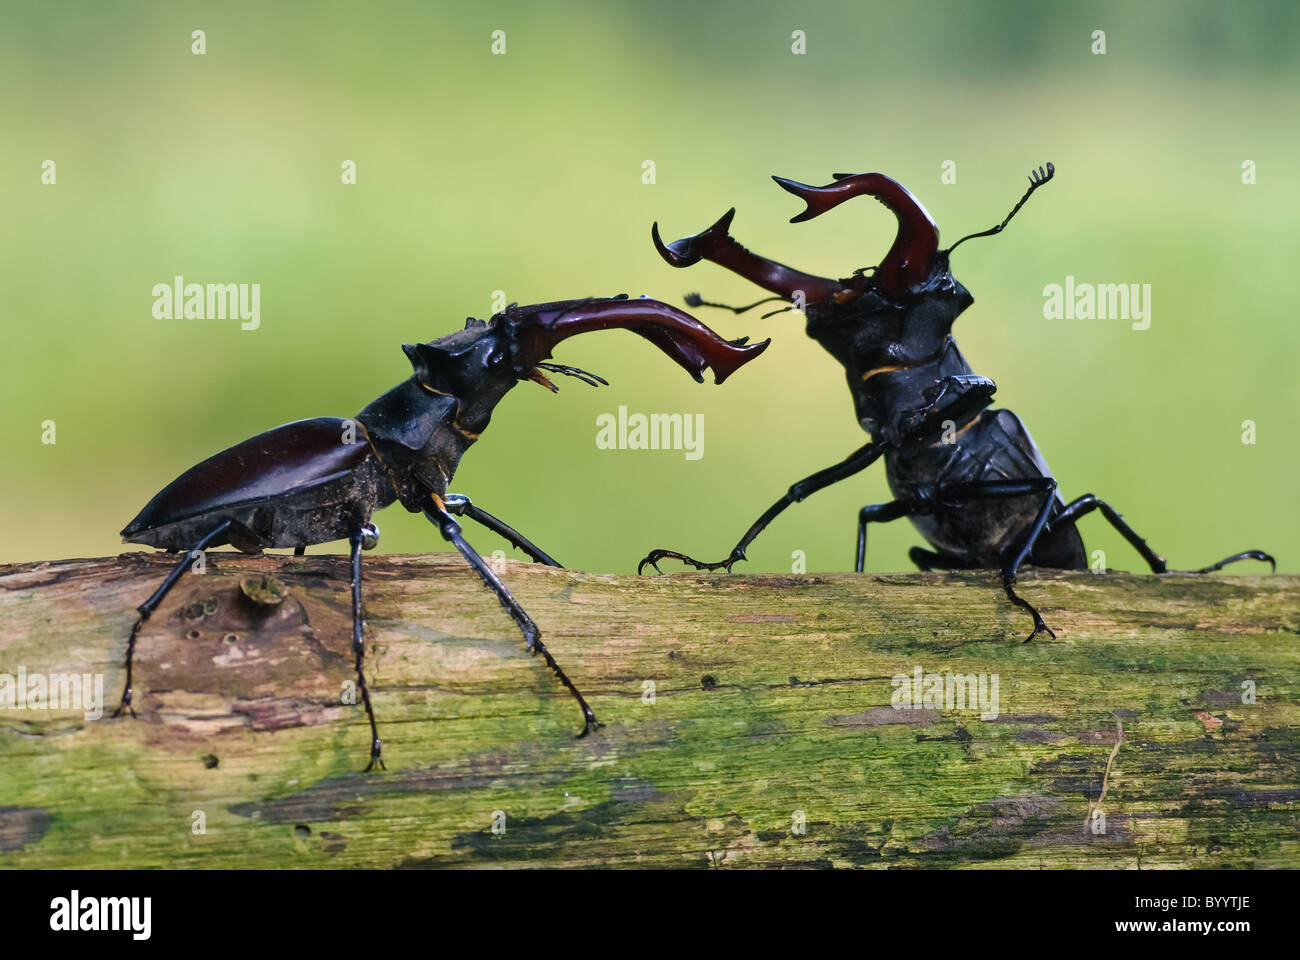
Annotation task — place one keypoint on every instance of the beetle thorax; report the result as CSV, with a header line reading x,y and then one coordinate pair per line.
x,y
892,352
868,331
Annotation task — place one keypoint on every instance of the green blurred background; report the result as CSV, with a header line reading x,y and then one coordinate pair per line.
x,y
523,173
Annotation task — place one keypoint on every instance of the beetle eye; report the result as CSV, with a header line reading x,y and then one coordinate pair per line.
x,y
498,363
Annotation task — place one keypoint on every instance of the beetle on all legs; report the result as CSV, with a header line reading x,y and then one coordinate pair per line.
x,y
970,478
319,480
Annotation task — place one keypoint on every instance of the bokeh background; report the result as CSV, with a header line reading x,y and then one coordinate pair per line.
x,y
523,173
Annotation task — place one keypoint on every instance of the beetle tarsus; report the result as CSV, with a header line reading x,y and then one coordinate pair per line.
x,y
1244,555
358,541
654,556
375,758
1008,583
147,608
591,724
125,705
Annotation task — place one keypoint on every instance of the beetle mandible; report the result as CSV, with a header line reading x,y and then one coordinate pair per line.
x,y
319,480
969,477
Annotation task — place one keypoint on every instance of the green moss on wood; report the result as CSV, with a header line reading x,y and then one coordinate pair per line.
x,y
771,696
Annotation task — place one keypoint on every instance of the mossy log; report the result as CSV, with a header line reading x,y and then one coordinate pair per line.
x,y
750,721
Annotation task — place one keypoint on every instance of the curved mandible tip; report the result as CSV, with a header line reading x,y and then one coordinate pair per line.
x,y
911,257
691,250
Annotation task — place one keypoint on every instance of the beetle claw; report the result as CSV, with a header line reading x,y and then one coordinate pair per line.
x,y
1040,627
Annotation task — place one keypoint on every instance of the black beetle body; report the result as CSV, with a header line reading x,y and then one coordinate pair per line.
x,y
913,389
320,480
297,484
969,477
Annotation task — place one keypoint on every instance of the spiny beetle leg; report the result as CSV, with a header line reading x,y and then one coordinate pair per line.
x,y
1008,583
359,540
878,513
450,530
461,506
1088,502
147,608
654,556
962,491
856,462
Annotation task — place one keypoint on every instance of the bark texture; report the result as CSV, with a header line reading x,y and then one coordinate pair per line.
x,y
750,720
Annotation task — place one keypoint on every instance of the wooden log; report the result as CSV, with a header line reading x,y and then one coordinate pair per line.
x,y
750,721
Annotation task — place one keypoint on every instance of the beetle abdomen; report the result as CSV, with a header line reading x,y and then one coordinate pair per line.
x,y
304,482
986,532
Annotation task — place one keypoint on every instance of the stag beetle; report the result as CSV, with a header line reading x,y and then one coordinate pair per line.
x,y
970,478
318,480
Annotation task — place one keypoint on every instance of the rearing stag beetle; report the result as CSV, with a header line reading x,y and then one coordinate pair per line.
x,y
969,477
314,481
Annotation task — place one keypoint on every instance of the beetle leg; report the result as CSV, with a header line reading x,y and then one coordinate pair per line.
x,y
147,608
358,540
1001,489
878,513
532,636
462,507
717,245
805,488
1244,555
1087,503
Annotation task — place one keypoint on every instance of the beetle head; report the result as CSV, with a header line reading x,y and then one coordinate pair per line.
x,y
903,309
911,299
471,365
481,363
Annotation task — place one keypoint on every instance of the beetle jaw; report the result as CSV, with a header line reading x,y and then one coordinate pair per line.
x,y
538,377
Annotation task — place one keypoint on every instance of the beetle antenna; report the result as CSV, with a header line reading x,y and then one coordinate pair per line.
x,y
695,300
591,379
1036,179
